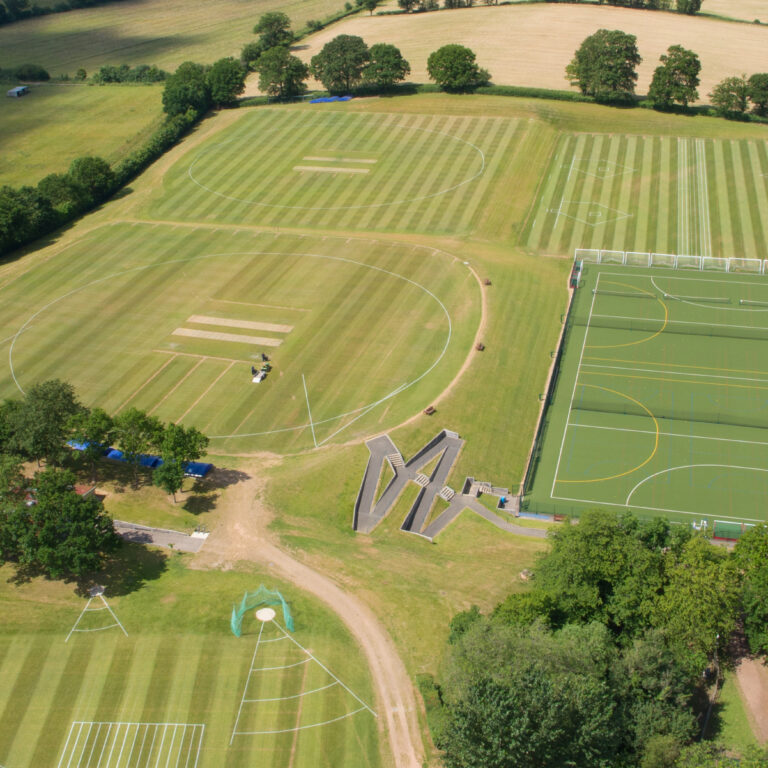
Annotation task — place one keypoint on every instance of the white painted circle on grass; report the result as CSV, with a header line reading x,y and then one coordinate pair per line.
x,y
215,147
265,614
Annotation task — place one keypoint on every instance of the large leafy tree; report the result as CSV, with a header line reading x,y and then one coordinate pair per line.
x,y
689,7
605,65
386,66
758,93
41,422
751,555
62,534
729,97
179,445
273,29
187,88
226,80
453,67
94,176
95,428
25,213
339,65
137,433
281,74
676,80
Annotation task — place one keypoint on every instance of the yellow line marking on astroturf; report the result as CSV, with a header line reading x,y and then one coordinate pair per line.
x,y
641,341
178,384
250,325
208,389
670,381
265,306
639,466
158,371
677,365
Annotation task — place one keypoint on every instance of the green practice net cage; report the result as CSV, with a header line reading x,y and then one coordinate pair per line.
x,y
252,600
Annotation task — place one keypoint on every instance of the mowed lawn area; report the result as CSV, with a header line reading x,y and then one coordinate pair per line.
x,y
703,197
43,132
172,320
161,32
531,44
169,693
310,168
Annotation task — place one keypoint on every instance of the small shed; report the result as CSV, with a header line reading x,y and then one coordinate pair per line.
x,y
18,91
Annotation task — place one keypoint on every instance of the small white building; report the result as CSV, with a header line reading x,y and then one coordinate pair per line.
x,y
18,91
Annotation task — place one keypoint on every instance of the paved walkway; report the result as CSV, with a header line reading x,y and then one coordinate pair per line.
x,y
159,537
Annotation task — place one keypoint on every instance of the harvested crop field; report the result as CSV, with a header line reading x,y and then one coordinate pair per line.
x,y
531,45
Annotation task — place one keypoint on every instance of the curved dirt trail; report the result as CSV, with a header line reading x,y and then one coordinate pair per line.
x,y
241,534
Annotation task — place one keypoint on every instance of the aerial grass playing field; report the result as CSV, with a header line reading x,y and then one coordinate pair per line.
x,y
169,693
660,405
161,32
173,320
641,193
545,37
325,169
43,132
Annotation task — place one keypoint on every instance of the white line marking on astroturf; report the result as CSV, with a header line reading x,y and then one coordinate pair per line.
x,y
672,373
654,509
668,434
691,466
309,410
706,306
685,322
704,278
575,384
349,207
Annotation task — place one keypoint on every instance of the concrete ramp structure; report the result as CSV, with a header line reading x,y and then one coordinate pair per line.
x,y
369,511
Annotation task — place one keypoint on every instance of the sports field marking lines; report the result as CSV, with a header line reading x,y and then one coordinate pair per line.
x,y
207,390
328,169
251,325
309,410
88,609
683,198
575,384
705,228
598,212
265,306
672,373
670,381
94,744
338,160
692,466
679,365
607,170
686,322
633,469
617,317
204,357
654,509
155,374
351,207
669,434
261,341
709,303
707,277
309,658
177,385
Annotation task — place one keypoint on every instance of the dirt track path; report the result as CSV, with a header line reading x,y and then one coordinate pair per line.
x,y
752,678
242,535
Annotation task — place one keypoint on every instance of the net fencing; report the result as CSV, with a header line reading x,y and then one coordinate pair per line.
x,y
252,600
730,531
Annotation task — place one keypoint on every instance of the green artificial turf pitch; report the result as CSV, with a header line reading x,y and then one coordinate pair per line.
x,y
171,320
661,404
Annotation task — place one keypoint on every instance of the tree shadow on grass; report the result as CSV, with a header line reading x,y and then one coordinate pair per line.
x,y
199,503
128,570
219,479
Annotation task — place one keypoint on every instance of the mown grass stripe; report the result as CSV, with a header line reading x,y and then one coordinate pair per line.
x,y
732,168
724,230
754,212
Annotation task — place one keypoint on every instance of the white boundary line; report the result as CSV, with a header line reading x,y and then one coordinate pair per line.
x,y
575,384
385,126
715,305
686,322
245,687
302,727
668,434
309,410
672,372
703,276
359,411
95,629
691,466
705,227
296,696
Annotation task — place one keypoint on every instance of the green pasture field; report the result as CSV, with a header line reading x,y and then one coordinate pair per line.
x,y
325,169
161,32
43,132
359,334
661,402
645,193
93,700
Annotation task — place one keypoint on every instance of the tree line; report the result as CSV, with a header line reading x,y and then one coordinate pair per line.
x,y
44,523
609,658
688,7
605,67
